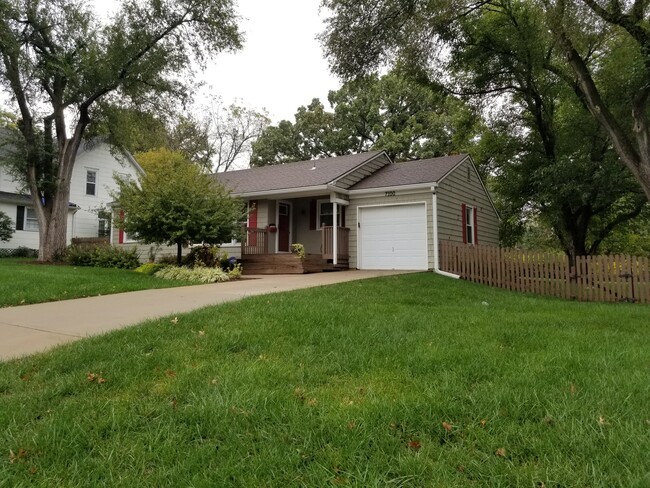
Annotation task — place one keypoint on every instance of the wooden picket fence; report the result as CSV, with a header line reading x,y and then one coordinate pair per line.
x,y
595,278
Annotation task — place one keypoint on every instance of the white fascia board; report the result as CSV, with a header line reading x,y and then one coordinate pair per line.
x,y
403,189
307,191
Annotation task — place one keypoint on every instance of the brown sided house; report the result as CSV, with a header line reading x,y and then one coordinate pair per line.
x,y
360,211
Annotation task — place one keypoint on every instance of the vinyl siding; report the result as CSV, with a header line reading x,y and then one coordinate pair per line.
x,y
453,191
27,238
399,198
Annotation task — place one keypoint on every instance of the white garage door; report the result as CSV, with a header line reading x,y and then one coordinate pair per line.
x,y
393,237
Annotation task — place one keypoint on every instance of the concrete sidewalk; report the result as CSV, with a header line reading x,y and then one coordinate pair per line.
x,y
28,329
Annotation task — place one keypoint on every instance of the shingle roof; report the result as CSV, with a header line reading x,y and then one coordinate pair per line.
x,y
410,172
6,196
292,175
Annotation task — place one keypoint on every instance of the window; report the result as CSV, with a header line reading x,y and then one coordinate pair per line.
x,y
326,214
104,229
469,224
31,222
91,182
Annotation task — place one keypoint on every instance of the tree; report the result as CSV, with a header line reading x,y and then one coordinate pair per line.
x,y
392,112
232,132
60,65
6,227
550,160
175,203
365,35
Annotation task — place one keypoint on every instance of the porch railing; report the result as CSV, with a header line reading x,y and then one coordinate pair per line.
x,y
343,244
255,241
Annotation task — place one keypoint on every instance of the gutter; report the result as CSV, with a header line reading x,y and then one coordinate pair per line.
x,y
436,246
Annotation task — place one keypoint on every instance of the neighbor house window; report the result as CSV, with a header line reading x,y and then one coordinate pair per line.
x,y
104,228
325,217
31,222
91,182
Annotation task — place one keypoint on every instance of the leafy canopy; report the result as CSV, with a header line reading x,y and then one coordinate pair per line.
x,y
6,227
175,203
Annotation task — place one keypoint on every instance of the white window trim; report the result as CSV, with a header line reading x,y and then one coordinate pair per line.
x,y
340,210
469,224
96,171
34,220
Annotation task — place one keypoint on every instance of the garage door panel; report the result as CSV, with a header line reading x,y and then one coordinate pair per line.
x,y
393,237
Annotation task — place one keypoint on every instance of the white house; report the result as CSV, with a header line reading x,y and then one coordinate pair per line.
x,y
92,181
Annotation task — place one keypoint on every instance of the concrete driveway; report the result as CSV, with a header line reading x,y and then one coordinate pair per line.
x,y
28,329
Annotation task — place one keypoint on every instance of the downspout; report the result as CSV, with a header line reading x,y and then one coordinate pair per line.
x,y
436,245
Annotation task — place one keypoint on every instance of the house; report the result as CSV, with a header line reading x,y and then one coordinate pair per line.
x,y
360,211
90,187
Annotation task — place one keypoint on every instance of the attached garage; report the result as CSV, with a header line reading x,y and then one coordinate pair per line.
x,y
393,237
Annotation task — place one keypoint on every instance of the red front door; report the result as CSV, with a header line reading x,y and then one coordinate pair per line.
x,y
284,227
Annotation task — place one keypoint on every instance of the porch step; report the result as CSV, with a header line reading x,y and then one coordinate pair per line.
x,y
287,264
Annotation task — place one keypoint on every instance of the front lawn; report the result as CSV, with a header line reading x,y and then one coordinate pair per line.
x,y
23,281
414,380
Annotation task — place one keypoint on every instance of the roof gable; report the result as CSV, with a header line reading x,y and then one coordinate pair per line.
x,y
418,172
293,176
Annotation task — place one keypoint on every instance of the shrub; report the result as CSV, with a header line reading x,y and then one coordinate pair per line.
x,y
102,257
149,268
6,227
20,252
205,255
298,250
196,275
235,272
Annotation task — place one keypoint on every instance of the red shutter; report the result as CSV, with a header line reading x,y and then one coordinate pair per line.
x,y
120,238
463,212
312,214
475,226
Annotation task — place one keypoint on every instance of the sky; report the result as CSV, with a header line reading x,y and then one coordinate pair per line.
x,y
281,65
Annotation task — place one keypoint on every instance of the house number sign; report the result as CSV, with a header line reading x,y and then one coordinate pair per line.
x,y
390,194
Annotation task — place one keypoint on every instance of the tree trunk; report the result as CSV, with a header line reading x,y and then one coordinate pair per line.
x,y
179,253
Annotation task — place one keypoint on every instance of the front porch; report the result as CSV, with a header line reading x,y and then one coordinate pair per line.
x,y
257,258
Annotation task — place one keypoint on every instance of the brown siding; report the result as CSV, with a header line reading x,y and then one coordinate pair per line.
x,y
358,201
455,190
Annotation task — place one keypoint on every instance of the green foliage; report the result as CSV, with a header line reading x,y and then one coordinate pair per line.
x,y
6,227
394,113
196,275
64,68
102,257
175,203
149,268
204,255
298,250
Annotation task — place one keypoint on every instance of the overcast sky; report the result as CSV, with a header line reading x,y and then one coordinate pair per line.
x,y
281,65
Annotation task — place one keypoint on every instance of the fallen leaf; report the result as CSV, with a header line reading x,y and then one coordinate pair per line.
x,y
101,380
501,452
170,373
483,422
414,444
21,454
601,420
201,333
352,425
174,403
572,389
174,320
91,376
447,427
312,402
214,381
33,470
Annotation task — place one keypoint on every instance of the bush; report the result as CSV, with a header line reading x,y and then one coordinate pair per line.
x,y
149,268
102,257
205,255
196,275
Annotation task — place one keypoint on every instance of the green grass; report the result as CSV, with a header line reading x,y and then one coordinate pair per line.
x,y
24,281
343,385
